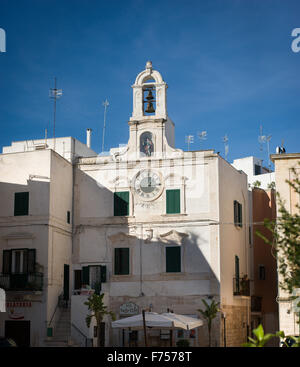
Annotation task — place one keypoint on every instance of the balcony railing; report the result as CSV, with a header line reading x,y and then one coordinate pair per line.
x,y
241,287
22,282
256,303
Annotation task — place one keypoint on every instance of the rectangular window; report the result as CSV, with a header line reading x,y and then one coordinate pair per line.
x,y
238,217
262,272
19,261
257,169
121,203
173,259
21,203
121,261
68,217
173,201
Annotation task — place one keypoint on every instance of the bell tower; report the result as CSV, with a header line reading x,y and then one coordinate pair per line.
x,y
151,130
149,95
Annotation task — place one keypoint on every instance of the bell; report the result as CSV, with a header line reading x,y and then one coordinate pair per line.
x,y
150,108
150,96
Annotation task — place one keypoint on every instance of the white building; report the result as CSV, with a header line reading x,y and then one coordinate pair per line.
x,y
153,226
255,171
36,190
161,227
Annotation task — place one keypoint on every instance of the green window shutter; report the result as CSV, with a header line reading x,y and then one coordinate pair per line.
x,y
173,201
121,203
240,215
21,203
85,275
6,266
31,255
173,259
235,210
237,273
121,261
103,273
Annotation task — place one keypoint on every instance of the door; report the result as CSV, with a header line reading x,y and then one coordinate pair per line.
x,y
66,281
19,331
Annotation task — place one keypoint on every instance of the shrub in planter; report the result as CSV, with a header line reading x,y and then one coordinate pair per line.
x,y
183,343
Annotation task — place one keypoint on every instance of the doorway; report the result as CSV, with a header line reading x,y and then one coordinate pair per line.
x,y
19,331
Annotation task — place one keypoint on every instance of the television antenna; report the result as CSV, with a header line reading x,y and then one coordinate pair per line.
x,y
226,145
55,94
262,140
105,104
189,139
202,135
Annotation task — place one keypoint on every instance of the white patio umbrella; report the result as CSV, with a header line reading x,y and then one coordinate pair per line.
x,y
153,319
160,321
2,300
187,322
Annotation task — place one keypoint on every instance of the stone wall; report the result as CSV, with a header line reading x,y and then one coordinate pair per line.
x,y
236,326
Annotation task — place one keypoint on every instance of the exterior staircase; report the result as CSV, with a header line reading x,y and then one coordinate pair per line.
x,y
62,332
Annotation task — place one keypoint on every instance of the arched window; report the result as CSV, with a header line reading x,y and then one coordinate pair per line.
x,y
146,144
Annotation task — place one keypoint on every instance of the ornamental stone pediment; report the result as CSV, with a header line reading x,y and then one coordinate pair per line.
x,y
121,237
173,236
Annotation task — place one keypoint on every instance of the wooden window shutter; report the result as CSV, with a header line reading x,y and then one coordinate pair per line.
x,y
21,203
237,273
173,259
103,273
237,267
121,261
173,201
121,203
6,266
240,215
235,209
31,259
85,275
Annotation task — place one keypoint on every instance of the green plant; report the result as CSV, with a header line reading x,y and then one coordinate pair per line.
x,y
97,310
261,338
209,313
183,343
256,184
271,186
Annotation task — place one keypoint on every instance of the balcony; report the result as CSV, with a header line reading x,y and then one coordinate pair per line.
x,y
22,282
256,303
241,287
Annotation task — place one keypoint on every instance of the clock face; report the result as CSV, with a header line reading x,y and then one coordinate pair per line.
x,y
148,185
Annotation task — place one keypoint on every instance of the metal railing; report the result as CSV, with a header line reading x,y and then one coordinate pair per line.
x,y
241,287
84,340
22,281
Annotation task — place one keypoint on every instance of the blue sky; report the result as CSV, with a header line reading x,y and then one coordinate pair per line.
x,y
228,64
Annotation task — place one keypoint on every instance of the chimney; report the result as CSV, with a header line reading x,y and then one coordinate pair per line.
x,y
88,137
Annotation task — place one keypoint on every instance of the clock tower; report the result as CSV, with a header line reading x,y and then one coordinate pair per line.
x,y
151,130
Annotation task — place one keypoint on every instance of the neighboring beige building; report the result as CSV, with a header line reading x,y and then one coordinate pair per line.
x,y
162,228
283,171
263,273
